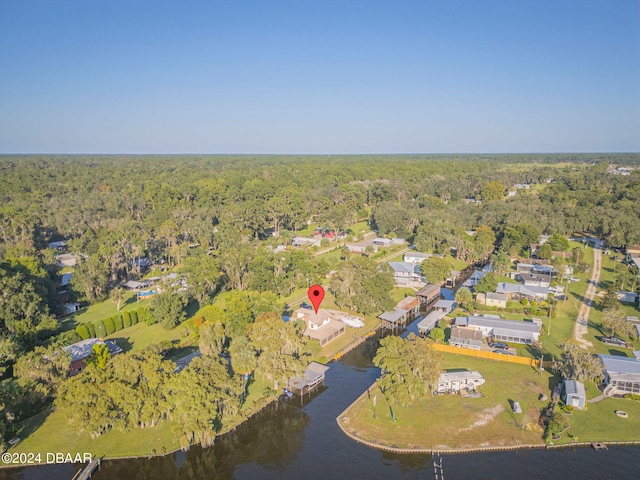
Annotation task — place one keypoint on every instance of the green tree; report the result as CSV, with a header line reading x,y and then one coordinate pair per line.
x,y
212,338
545,251
44,368
279,348
437,334
578,364
614,322
493,191
411,368
168,309
610,299
558,243
464,298
117,296
488,283
436,269
360,286
243,360
500,261
100,356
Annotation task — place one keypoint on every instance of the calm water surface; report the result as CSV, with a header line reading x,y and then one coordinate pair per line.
x,y
294,441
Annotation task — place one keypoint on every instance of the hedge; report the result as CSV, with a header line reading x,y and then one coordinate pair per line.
x,y
118,322
109,325
92,330
134,317
101,330
83,331
126,320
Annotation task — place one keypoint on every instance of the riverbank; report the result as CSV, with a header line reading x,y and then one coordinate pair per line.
x,y
49,431
455,424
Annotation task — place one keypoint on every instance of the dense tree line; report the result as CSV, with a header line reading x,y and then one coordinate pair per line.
x,y
219,220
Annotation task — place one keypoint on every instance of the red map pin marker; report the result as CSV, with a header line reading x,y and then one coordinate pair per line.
x,y
316,295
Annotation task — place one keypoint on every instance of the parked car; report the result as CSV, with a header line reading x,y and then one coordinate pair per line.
x,y
500,345
613,341
504,352
306,305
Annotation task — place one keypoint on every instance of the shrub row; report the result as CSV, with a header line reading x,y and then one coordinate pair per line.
x,y
107,326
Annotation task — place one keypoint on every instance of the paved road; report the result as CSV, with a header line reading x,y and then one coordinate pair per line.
x,y
582,321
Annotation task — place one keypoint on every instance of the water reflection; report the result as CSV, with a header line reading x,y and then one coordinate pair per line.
x,y
272,440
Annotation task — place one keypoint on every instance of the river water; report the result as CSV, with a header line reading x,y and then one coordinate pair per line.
x,y
302,441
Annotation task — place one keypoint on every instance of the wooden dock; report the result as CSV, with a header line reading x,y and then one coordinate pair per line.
x,y
599,446
86,473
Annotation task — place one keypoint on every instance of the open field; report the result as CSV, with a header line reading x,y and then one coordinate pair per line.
x,y
100,311
450,421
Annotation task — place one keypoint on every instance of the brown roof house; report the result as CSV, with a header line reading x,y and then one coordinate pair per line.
x,y
321,326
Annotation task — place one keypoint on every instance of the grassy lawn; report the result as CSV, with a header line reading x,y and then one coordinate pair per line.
x,y
600,423
100,311
450,421
399,293
350,335
142,335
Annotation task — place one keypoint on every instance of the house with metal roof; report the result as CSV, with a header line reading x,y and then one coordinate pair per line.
x,y
429,295
405,273
621,375
416,257
516,291
81,350
501,329
429,322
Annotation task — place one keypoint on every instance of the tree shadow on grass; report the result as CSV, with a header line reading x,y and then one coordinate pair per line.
x,y
123,343
128,301
616,352
30,425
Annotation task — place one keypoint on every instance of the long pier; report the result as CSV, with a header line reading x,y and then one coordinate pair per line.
x,y
86,473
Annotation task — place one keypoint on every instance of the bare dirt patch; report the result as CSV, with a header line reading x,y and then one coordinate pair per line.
x,y
487,415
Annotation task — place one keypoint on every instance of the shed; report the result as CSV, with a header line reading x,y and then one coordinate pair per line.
x,y
573,394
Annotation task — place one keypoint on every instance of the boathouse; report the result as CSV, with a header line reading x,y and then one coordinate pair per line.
x,y
309,381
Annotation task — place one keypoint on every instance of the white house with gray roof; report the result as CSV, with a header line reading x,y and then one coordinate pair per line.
x,y
621,375
500,329
516,291
454,381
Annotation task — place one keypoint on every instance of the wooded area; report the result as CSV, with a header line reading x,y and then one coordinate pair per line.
x,y
219,222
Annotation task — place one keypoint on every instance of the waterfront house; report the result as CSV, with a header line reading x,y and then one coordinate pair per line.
x,y
81,351
405,273
404,312
445,306
573,394
473,280
428,295
457,380
621,375
429,322
321,326
492,326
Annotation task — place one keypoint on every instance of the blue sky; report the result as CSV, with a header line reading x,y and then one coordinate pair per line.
x,y
319,76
